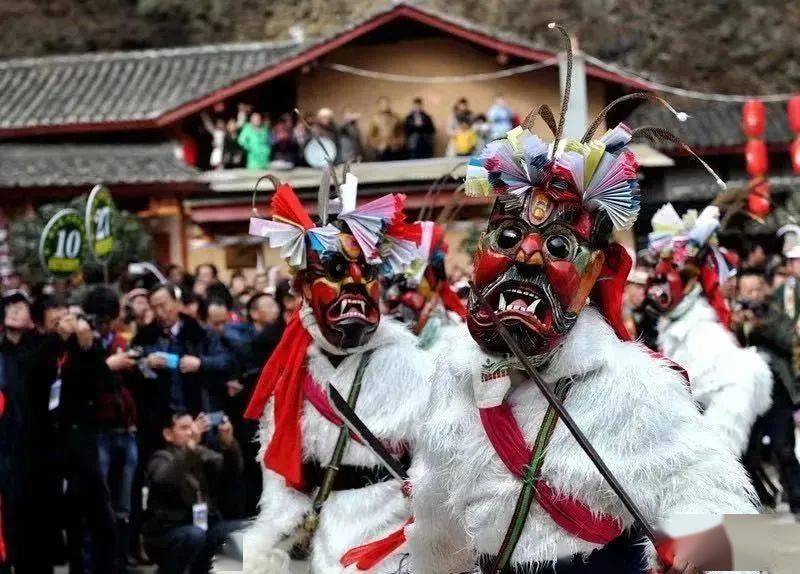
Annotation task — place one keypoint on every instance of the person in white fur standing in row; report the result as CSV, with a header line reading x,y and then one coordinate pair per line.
x,y
505,487
731,384
325,492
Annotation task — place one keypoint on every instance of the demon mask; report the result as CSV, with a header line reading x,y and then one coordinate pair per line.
x,y
339,258
343,291
688,254
548,240
422,288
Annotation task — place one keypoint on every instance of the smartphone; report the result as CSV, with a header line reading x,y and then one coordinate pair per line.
x,y
215,419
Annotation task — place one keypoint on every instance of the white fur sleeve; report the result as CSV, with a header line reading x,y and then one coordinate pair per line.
x,y
700,475
437,539
281,510
738,390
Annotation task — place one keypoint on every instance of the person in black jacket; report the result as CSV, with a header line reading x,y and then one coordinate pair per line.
x,y
73,371
759,324
187,363
184,525
419,131
252,343
17,343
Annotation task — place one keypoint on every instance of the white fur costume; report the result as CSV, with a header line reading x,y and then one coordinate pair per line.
x,y
633,408
732,384
393,396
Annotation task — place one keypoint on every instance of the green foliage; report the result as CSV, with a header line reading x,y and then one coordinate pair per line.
x,y
132,241
470,242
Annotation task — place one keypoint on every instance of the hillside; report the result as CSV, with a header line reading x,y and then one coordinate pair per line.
x,y
722,45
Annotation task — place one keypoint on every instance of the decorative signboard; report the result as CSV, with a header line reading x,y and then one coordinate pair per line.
x,y
100,215
61,246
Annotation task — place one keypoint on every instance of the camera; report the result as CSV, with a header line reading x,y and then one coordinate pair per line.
x,y
759,309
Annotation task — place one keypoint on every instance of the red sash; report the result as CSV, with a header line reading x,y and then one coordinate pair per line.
x,y
282,378
570,514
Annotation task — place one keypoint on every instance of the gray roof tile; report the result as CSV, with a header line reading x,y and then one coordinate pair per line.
x,y
145,84
124,86
713,124
67,165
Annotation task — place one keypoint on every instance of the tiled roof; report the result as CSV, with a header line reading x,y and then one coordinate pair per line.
x,y
142,86
67,165
713,125
124,86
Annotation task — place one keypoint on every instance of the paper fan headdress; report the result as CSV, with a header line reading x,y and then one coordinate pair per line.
x,y
378,226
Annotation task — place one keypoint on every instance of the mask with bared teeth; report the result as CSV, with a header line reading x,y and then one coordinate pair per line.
x,y
548,249
343,291
548,240
338,257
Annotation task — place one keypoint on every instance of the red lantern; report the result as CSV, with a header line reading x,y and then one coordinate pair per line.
x,y
756,158
793,111
189,148
754,118
758,200
794,151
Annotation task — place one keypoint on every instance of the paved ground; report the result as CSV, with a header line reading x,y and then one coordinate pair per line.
x,y
768,542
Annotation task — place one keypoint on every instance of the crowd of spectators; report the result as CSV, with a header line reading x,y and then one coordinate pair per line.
x,y
121,432
253,140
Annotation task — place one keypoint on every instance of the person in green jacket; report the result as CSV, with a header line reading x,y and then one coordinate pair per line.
x,y
254,139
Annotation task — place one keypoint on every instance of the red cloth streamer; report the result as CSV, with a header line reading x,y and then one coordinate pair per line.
x,y
709,280
607,292
282,377
451,301
402,230
399,205
287,206
368,555
570,514
2,404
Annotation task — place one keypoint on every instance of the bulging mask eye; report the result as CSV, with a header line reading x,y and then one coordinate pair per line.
x,y
558,246
336,266
509,237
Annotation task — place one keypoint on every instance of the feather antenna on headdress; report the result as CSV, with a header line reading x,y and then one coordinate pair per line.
x,y
567,84
682,116
654,133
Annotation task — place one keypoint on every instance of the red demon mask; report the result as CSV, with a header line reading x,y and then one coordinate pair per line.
x,y
343,291
548,237
337,259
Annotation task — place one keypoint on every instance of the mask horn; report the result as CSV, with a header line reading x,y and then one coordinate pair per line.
x,y
276,183
452,208
328,158
543,112
682,116
567,84
428,202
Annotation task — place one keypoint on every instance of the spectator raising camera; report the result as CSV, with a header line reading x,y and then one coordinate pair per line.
x,y
186,483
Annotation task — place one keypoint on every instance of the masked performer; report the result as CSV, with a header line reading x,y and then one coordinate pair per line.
x,y
324,492
421,296
505,485
731,384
